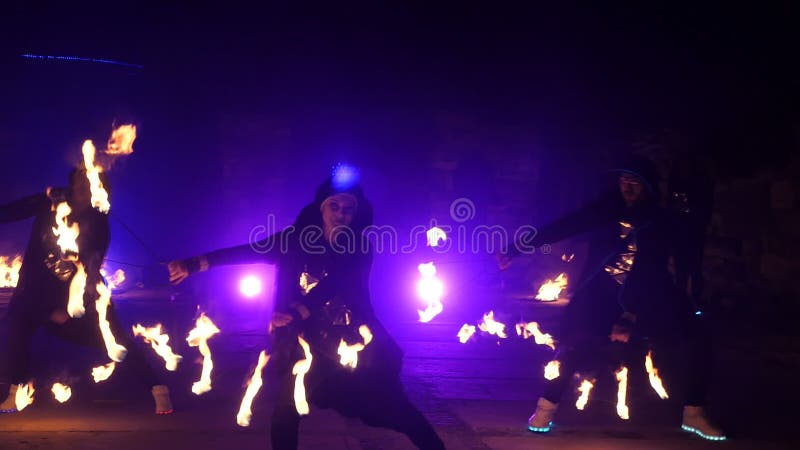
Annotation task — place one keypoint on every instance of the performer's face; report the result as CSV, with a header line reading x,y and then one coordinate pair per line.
x,y
338,211
631,188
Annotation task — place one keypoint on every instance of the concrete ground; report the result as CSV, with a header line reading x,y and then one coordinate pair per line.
x,y
477,395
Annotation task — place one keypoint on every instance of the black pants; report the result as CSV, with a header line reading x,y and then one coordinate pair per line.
x,y
374,396
22,324
586,345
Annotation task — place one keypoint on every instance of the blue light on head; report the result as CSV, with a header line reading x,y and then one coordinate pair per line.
x,y
344,176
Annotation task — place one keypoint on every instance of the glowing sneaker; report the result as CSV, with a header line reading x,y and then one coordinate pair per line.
x,y
10,405
695,421
542,418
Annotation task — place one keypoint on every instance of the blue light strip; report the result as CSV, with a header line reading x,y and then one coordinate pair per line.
x,y
77,58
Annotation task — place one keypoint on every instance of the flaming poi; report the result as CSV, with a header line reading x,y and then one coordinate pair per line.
x,y
430,289
115,351
435,235
24,396
622,393
300,370
99,194
253,386
160,343
198,337
585,388
9,271
492,326
655,380
77,287
61,392
551,370
529,329
121,140
66,233
102,373
550,290
465,333
348,354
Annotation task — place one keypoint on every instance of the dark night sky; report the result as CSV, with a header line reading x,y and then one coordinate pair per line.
x,y
368,82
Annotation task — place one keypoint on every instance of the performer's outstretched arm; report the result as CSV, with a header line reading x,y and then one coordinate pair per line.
x,y
23,208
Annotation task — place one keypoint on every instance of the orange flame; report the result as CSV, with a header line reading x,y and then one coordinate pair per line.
x,y
585,388
430,289
115,351
101,373
307,283
551,370
114,280
67,234
622,393
300,369
465,333
348,354
198,337
77,287
245,412
9,273
550,290
159,341
491,326
61,392
24,396
655,380
99,193
529,329
568,258
121,140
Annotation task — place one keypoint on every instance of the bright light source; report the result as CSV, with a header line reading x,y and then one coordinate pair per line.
x,y
250,286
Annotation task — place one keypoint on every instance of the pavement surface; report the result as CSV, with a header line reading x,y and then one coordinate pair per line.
x,y
478,395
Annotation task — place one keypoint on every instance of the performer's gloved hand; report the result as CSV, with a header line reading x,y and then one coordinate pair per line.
x,y
179,270
621,330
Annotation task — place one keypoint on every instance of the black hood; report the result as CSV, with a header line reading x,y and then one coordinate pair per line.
x,y
311,214
640,167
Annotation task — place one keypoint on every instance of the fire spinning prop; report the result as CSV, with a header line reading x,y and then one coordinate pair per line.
x,y
253,386
551,370
24,396
9,272
491,326
550,290
655,380
115,351
300,370
348,354
102,373
585,388
61,392
622,393
465,333
529,329
435,235
198,337
159,341
430,289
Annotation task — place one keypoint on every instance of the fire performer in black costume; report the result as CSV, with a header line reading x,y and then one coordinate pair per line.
x,y
322,295
629,292
40,298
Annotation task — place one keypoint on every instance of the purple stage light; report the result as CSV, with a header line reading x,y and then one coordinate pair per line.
x,y
250,286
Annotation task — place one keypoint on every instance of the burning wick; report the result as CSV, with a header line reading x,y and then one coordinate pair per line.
x,y
99,193
622,392
550,290
465,333
102,373
551,370
115,351
159,342
348,354
198,337
61,392
245,412
491,326
121,140
430,289
435,235
585,388
655,380
529,329
300,369
24,396
9,274
77,287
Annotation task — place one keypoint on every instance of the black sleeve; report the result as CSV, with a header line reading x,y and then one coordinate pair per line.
x,y
23,208
266,250
577,222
